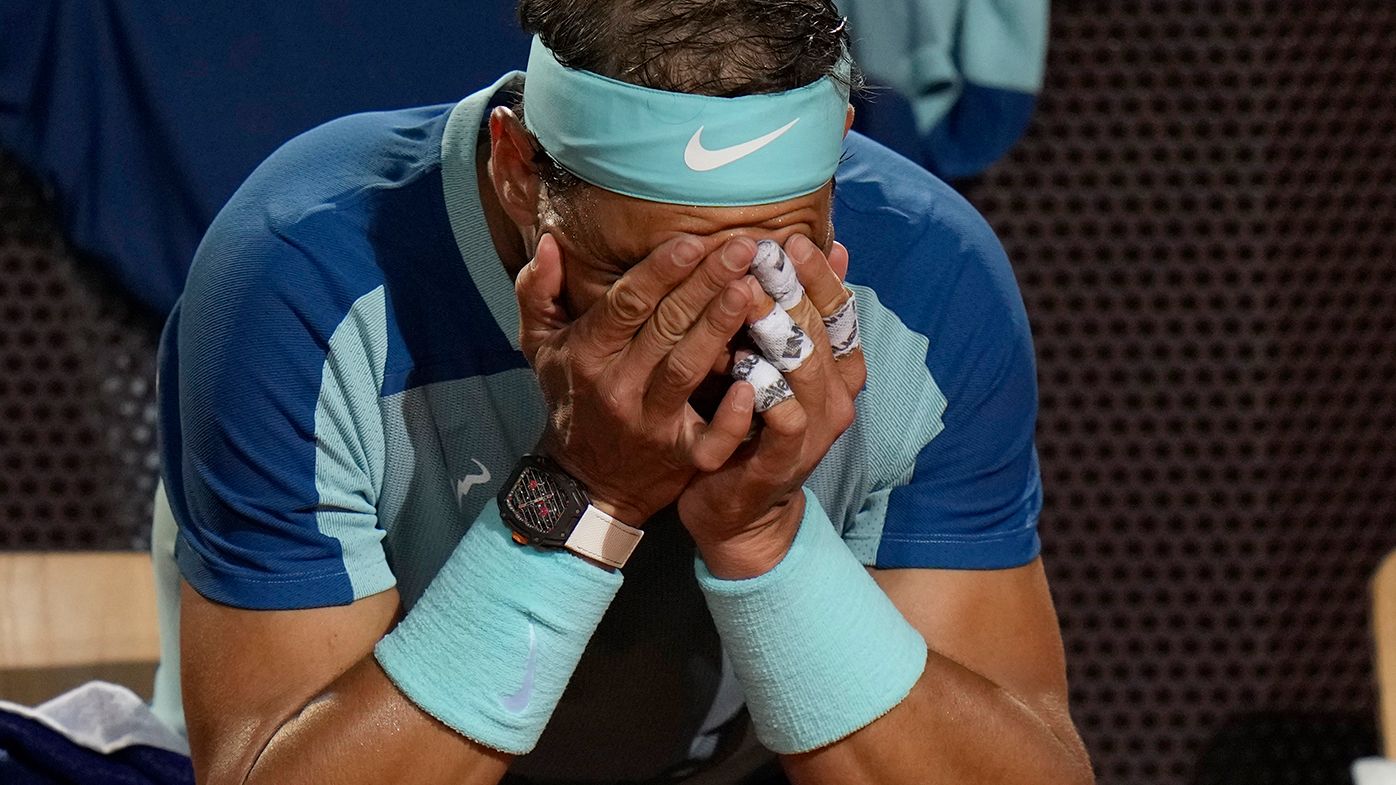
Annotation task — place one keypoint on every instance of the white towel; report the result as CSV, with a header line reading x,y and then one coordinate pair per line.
x,y
1374,771
103,717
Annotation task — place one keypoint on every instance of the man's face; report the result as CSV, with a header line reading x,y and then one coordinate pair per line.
x,y
602,234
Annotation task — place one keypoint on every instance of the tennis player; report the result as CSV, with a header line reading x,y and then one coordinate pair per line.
x,y
551,436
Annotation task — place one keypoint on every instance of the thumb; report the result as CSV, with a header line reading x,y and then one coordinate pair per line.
x,y
538,289
838,259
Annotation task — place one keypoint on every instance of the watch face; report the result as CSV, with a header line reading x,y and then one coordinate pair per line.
x,y
537,501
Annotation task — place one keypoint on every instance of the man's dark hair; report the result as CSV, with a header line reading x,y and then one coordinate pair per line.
x,y
707,47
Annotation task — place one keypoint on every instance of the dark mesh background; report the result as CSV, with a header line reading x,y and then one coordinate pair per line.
x,y
78,457
1202,220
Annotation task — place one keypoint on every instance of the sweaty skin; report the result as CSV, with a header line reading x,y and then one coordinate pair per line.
x,y
991,707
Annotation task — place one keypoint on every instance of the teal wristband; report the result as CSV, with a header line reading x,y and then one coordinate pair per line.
x,y
818,647
491,644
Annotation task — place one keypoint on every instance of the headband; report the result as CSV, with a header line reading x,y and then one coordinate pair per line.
x,y
682,148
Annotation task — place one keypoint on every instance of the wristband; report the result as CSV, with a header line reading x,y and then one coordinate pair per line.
x,y
818,647
491,644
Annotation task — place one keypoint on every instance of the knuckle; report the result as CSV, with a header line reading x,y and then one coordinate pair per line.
x,y
725,507
706,462
714,275
719,324
626,303
679,372
789,422
842,413
670,321
612,397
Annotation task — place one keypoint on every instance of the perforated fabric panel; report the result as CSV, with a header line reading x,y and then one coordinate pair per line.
x,y
1202,220
77,370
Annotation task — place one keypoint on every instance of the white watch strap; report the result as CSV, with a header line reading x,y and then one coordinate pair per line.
x,y
603,538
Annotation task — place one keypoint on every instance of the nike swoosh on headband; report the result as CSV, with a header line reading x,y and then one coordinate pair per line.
x,y
701,159
519,701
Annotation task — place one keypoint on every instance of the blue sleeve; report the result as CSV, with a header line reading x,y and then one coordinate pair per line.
x,y
975,493
271,368
965,492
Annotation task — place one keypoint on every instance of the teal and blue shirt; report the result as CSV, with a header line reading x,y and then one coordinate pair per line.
x,y
341,388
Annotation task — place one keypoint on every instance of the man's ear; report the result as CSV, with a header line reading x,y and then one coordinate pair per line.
x,y
848,120
512,171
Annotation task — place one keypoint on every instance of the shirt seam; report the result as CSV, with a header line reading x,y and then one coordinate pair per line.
x,y
223,573
1026,529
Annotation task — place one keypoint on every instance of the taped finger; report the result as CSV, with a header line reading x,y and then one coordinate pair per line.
x,y
776,273
784,343
771,388
818,273
842,328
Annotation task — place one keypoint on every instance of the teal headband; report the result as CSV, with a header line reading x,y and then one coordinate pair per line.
x,y
682,148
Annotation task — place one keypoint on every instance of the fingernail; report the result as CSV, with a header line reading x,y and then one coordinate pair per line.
x,y
742,399
737,254
688,252
800,247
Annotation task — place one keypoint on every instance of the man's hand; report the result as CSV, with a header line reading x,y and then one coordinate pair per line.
x,y
743,513
617,380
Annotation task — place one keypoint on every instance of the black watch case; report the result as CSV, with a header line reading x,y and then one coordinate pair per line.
x,y
541,503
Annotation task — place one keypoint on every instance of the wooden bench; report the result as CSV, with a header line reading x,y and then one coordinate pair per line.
x,y
66,618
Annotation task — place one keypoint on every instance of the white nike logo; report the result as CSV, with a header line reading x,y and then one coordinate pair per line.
x,y
471,480
701,159
519,701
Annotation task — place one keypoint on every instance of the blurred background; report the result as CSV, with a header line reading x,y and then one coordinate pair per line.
x,y
1201,214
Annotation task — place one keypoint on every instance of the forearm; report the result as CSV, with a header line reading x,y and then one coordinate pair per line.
x,y
846,678
955,726
361,729
467,678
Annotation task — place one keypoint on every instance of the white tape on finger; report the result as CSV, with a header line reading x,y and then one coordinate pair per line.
x,y
771,387
776,274
782,341
842,328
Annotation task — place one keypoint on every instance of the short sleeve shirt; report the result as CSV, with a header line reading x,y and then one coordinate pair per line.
x,y
341,387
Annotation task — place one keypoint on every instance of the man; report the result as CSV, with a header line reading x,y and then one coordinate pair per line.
x,y
436,372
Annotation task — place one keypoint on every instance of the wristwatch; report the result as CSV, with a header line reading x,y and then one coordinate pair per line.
x,y
546,507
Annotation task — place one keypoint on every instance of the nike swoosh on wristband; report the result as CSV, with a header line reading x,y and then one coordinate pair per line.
x,y
701,159
519,701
